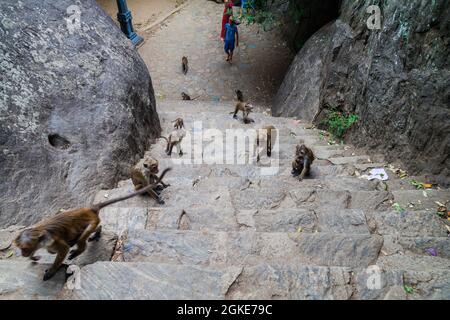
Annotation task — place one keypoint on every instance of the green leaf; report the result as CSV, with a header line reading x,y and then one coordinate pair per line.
x,y
397,207
408,289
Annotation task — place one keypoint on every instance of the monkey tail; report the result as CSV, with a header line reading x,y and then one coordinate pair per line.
x,y
196,97
96,207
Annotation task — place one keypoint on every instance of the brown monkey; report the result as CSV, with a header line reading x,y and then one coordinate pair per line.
x,y
179,123
301,165
59,233
239,96
184,64
174,139
270,133
246,108
144,174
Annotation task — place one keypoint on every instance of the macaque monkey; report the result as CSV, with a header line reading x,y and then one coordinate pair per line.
x,y
239,96
246,108
185,96
301,165
270,134
144,174
62,231
179,123
184,64
174,139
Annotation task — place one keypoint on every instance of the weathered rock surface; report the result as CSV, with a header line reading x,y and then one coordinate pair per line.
x,y
23,280
247,248
132,281
395,79
76,108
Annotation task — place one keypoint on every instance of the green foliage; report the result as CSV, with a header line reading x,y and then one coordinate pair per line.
x,y
408,289
266,13
338,123
398,208
418,185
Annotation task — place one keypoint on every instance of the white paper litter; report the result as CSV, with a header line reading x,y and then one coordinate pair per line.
x,y
376,173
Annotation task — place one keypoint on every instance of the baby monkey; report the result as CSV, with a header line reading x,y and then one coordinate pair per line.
x,y
246,108
62,231
301,165
144,174
184,64
179,123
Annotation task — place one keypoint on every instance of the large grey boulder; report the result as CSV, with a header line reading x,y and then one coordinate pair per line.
x,y
396,80
77,107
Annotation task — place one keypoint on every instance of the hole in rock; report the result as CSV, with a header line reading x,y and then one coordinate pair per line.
x,y
58,141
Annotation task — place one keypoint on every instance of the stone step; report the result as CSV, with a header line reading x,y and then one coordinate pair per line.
x,y
250,248
407,224
417,246
289,220
428,276
421,199
22,280
284,145
137,281
226,121
280,182
186,168
309,197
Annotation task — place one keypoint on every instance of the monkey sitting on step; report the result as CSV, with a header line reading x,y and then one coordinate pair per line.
x,y
62,231
301,165
144,174
269,133
246,108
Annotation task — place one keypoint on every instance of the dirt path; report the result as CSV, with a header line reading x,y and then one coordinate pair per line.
x,y
258,68
145,12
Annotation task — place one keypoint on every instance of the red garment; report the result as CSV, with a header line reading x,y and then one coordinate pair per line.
x,y
226,17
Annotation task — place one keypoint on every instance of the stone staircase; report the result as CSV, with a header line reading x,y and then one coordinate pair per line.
x,y
228,232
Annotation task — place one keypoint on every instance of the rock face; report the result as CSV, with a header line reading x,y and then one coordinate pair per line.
x,y
77,107
396,80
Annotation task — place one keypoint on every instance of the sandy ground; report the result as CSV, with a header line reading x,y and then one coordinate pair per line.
x,y
144,12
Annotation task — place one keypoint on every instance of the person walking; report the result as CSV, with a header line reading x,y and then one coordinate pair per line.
x,y
227,13
231,38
